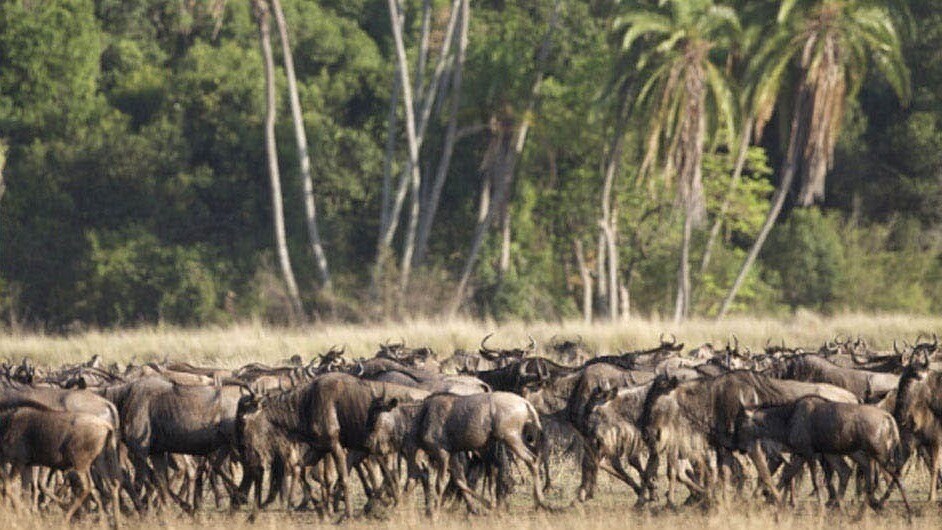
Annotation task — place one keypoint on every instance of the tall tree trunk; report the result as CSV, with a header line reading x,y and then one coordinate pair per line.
x,y
586,277
429,211
506,167
682,308
743,150
307,183
415,132
601,271
262,15
778,199
3,163
608,220
391,124
504,265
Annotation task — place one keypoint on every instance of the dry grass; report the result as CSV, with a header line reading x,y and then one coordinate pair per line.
x,y
612,507
247,342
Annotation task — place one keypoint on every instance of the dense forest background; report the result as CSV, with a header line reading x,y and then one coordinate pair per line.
x,y
539,159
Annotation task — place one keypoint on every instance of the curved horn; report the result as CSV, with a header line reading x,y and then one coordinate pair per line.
x,y
542,370
935,341
854,355
735,344
896,348
483,346
532,346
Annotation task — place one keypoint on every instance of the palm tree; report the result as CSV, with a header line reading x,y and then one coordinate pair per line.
x,y
832,43
683,99
263,17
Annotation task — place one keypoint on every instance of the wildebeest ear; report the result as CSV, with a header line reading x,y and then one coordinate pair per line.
x,y
391,404
82,384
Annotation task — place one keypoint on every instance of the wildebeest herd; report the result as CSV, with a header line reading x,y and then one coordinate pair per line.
x,y
112,441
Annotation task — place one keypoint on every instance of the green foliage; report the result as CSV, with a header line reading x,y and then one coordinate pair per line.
x,y
807,255
136,185
133,278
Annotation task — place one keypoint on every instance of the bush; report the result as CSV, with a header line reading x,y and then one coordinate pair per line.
x,y
807,254
133,278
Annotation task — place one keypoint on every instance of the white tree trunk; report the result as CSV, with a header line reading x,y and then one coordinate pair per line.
x,y
429,211
307,183
505,171
415,132
586,277
271,150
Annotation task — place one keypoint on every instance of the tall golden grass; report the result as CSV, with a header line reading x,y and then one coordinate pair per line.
x,y
237,344
612,507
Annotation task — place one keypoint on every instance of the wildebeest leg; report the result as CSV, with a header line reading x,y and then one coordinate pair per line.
x,y
758,459
520,450
817,479
460,482
794,467
614,467
442,459
340,460
892,479
84,480
935,458
844,472
590,471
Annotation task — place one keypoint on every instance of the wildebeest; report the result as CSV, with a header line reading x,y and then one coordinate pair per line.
x,y
812,426
446,425
867,386
686,421
329,415
612,434
918,412
159,418
34,435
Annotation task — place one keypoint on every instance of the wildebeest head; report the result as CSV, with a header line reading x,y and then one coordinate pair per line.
x,y
572,352
503,357
332,360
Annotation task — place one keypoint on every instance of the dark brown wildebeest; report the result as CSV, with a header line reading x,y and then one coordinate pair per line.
x,y
642,359
159,418
812,426
446,425
867,386
686,421
329,415
504,356
571,352
33,435
918,412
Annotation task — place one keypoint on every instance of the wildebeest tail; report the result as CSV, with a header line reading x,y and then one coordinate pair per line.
x,y
533,432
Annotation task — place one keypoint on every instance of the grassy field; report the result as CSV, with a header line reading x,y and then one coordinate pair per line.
x,y
238,344
612,507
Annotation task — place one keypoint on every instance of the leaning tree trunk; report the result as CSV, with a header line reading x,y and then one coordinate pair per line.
x,y
506,167
727,200
300,136
793,155
262,16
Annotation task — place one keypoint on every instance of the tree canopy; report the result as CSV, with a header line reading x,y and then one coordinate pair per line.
x,y
134,184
